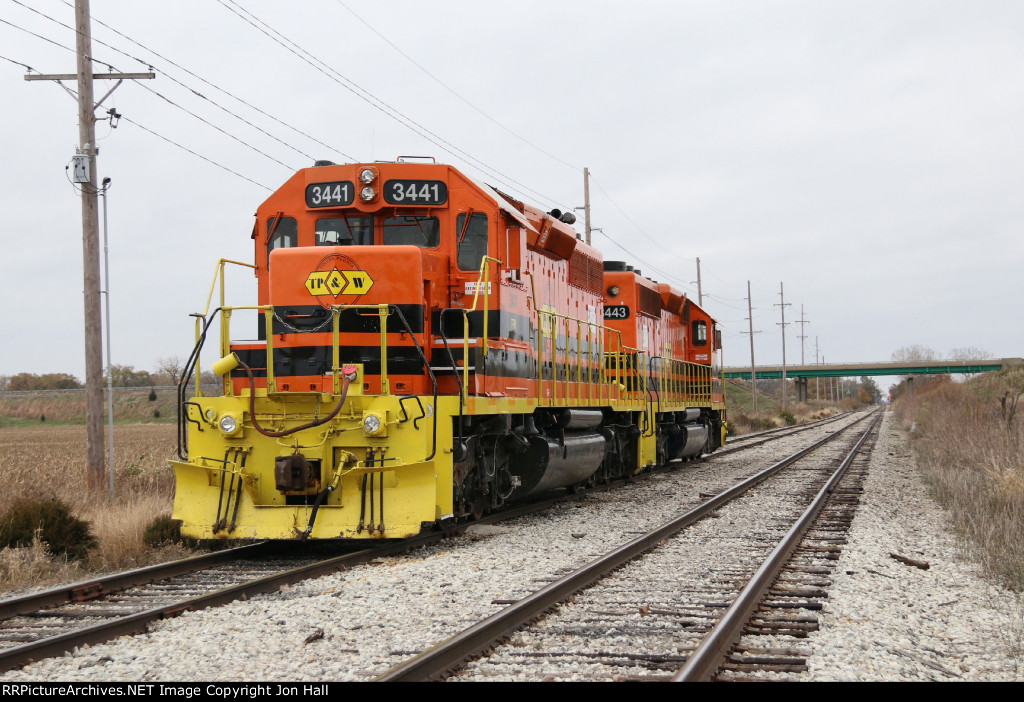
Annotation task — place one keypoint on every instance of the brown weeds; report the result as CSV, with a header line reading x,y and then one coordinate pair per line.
x,y
973,461
42,462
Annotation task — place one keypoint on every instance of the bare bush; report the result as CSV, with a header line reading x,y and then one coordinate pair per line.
x,y
973,461
42,462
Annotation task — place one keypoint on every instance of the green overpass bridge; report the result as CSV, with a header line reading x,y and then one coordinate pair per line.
x,y
801,373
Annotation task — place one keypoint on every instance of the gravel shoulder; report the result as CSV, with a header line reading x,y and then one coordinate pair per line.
x,y
885,620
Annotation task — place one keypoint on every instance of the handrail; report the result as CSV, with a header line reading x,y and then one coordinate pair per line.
x,y
218,273
620,369
481,279
383,310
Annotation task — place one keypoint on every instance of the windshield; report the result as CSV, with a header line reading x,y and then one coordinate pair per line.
x,y
411,230
344,231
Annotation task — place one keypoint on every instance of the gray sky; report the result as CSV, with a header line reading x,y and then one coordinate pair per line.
x,y
866,154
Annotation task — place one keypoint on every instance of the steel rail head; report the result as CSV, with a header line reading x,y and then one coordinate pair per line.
x,y
447,655
707,658
95,587
16,656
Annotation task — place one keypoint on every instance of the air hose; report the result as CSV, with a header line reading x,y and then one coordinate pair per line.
x,y
348,375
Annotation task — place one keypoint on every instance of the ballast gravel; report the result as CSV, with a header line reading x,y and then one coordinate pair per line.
x,y
887,620
883,621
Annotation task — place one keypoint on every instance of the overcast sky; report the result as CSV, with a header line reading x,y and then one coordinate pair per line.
x,y
866,154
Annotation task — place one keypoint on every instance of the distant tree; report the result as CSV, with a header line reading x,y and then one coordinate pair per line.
x,y
4,380
969,353
127,377
172,367
47,381
869,388
23,381
210,378
914,352
62,381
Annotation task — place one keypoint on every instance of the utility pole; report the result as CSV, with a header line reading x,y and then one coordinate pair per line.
x,y
700,293
782,304
90,253
750,318
817,387
586,203
803,335
85,175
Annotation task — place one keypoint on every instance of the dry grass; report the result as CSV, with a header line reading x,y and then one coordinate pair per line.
x,y
33,566
44,462
972,456
68,406
741,422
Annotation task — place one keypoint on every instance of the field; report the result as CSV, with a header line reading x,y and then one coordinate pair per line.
x,y
46,461
743,419
131,405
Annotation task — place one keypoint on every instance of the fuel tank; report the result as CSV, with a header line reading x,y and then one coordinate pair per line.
x,y
688,441
552,463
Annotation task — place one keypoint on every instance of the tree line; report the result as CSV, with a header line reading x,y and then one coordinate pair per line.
x,y
168,372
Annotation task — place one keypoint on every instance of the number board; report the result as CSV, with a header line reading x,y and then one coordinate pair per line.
x,y
616,312
338,193
415,192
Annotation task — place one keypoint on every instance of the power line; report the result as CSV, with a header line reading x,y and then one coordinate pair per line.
x,y
180,107
185,148
648,265
55,43
453,92
215,87
19,63
630,220
219,129
275,35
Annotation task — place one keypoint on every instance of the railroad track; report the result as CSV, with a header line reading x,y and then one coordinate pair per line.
x,y
612,628
746,441
55,621
51,622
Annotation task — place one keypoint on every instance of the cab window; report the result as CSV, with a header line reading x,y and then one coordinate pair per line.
x,y
411,230
283,234
700,333
472,240
344,231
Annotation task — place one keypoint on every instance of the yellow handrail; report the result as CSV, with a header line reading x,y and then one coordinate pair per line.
x,y
218,273
382,310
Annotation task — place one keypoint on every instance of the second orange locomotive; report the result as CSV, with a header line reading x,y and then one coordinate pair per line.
x,y
427,349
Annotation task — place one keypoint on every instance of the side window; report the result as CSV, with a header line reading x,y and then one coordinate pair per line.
x,y
344,231
412,230
472,240
281,234
700,333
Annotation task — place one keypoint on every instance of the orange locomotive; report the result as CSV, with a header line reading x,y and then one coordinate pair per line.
x,y
427,349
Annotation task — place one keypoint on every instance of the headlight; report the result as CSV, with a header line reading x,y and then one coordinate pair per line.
x,y
228,424
366,176
373,424
367,193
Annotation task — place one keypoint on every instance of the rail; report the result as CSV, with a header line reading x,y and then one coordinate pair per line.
x,y
703,662
440,659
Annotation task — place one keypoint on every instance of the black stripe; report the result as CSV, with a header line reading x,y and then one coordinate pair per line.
x,y
499,325
290,319
317,360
